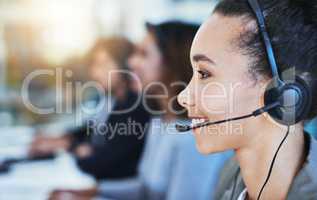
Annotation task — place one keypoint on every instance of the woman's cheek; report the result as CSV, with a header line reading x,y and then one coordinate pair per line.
x,y
212,98
213,106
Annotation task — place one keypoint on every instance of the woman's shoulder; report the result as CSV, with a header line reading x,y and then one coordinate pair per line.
x,y
305,183
230,175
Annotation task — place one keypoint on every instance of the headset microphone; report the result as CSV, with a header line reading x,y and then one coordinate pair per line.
x,y
184,128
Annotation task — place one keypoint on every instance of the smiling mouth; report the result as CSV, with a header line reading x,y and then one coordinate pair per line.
x,y
198,120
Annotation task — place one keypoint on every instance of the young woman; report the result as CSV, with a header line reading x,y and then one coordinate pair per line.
x,y
231,72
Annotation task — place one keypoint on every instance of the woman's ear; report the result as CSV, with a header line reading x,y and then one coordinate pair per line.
x,y
263,85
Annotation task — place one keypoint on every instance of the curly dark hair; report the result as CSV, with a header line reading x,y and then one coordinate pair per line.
x,y
292,26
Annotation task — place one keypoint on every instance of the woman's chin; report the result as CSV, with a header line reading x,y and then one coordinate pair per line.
x,y
206,147
203,150
207,151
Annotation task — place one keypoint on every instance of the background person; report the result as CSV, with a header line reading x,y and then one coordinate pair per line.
x,y
97,145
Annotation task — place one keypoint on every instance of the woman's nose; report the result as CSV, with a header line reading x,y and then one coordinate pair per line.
x,y
185,99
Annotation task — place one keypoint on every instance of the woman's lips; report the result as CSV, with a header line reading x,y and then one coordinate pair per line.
x,y
197,121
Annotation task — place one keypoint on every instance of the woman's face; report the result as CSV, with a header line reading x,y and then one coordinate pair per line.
x,y
146,62
102,69
221,86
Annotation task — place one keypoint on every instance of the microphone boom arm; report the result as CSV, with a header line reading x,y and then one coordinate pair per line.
x,y
185,128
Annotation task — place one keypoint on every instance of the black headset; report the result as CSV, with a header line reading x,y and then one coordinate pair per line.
x,y
287,100
291,92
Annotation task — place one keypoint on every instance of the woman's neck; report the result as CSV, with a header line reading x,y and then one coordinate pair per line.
x,y
256,157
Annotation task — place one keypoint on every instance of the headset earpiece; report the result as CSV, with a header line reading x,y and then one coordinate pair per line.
x,y
294,99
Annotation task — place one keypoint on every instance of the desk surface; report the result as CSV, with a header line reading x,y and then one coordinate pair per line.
x,y
35,180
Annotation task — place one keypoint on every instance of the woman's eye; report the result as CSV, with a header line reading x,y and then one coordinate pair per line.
x,y
203,74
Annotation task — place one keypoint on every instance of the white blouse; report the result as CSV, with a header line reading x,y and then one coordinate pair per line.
x,y
243,195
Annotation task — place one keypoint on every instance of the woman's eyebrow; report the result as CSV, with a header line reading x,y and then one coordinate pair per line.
x,y
202,57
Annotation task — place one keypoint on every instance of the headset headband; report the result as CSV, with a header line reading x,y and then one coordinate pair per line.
x,y
267,42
